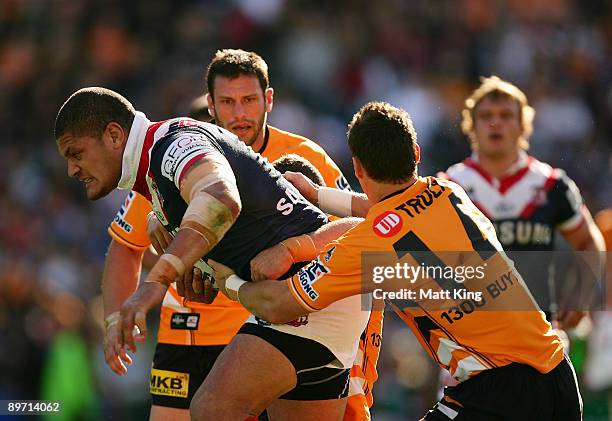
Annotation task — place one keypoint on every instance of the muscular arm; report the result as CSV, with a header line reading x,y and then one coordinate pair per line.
x,y
121,274
332,231
277,260
360,204
209,188
271,301
119,280
586,237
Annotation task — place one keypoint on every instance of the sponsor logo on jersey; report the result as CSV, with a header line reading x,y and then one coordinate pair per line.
x,y
523,232
504,207
387,225
122,223
187,321
169,383
540,196
342,183
185,146
300,321
328,254
309,275
120,216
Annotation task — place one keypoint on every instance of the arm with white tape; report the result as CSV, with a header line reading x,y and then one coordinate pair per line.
x,y
209,188
331,201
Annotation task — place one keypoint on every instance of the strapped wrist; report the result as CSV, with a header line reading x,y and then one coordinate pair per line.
x,y
111,320
335,202
233,283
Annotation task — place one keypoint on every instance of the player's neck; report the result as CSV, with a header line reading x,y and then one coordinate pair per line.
x,y
498,166
258,144
378,191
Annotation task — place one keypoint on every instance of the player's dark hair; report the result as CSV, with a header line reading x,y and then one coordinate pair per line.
x,y
231,64
296,163
383,139
88,111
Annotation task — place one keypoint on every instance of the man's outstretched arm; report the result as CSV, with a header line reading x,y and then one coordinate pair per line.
x,y
269,300
332,201
209,188
119,281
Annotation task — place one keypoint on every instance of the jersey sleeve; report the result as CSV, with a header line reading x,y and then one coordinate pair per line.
x,y
335,274
129,227
569,214
183,150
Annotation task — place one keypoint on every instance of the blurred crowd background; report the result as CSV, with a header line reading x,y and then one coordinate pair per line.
x,y
326,59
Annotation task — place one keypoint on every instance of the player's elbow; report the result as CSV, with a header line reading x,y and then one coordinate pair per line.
x,y
270,312
274,311
235,206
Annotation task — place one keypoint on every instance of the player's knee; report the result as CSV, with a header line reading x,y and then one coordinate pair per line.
x,y
207,407
203,406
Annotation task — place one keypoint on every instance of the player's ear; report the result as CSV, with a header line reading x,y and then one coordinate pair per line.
x,y
115,134
417,154
211,105
269,99
359,170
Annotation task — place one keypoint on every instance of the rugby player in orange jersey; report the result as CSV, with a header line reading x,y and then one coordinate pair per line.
x,y
239,98
508,361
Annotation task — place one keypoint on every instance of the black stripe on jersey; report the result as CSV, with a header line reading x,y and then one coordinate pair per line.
x,y
454,339
483,247
411,243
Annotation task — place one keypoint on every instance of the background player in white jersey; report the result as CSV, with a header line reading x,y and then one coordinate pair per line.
x,y
526,199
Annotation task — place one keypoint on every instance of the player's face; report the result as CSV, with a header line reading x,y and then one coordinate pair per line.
x,y
96,162
497,126
240,106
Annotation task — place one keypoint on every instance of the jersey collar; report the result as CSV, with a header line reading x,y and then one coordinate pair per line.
x,y
510,177
265,141
522,162
133,150
412,190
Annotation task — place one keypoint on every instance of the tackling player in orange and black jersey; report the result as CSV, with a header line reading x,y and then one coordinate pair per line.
x,y
495,341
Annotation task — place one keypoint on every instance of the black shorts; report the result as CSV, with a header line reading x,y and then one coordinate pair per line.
x,y
178,371
314,380
513,392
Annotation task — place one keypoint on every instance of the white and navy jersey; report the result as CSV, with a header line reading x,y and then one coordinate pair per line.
x,y
158,154
272,209
527,205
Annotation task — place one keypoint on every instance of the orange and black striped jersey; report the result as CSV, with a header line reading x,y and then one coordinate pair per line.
x,y
433,223
363,371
